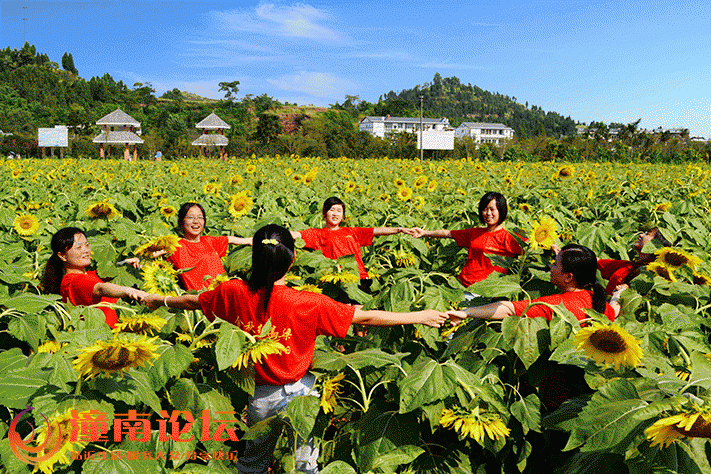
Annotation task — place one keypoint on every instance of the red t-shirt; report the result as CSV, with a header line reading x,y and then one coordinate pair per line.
x,y
340,242
479,242
78,288
574,301
617,272
297,317
204,256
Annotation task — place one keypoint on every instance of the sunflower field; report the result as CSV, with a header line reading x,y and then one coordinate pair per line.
x,y
166,390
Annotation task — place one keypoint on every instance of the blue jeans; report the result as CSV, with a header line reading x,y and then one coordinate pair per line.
x,y
268,400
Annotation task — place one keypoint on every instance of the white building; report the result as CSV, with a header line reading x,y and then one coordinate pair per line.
x,y
379,126
484,132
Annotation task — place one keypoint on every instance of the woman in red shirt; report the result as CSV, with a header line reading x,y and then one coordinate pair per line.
x,y
493,238
621,272
574,273
65,274
203,252
297,317
336,241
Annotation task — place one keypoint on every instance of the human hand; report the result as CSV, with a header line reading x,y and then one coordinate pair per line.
x,y
433,318
417,232
133,261
456,316
135,294
555,249
409,231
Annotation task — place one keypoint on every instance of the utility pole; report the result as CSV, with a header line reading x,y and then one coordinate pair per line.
x,y
24,26
421,142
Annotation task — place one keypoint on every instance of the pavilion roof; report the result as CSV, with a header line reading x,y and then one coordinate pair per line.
x,y
211,140
117,137
118,117
212,122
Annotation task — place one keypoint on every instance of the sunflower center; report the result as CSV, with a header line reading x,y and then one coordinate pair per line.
x,y
609,341
700,429
541,234
111,358
675,260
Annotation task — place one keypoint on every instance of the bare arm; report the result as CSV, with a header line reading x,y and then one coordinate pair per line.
x,y
295,235
497,310
239,240
438,234
111,290
178,302
388,318
387,230
615,298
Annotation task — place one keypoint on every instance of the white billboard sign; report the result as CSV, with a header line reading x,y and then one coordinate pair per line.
x,y
49,137
436,140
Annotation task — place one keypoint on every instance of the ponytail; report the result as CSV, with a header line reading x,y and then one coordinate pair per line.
x,y
62,241
272,255
582,263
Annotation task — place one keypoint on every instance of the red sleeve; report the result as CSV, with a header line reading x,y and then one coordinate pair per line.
x,y
463,237
220,244
79,288
212,304
363,235
333,318
311,238
607,266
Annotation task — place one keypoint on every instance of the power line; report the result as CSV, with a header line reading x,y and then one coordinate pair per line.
x,y
24,26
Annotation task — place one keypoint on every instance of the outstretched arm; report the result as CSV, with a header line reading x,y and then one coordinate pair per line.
x,y
497,311
239,240
387,230
429,317
439,234
178,302
112,290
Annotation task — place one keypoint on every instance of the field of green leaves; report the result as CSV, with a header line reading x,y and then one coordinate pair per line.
x,y
517,395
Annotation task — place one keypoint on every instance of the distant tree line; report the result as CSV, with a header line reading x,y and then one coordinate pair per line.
x,y
35,92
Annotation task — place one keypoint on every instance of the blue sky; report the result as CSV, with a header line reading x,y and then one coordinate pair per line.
x,y
590,60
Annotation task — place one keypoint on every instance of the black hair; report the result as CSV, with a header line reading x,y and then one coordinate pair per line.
x,y
62,241
330,202
582,263
183,211
501,205
272,254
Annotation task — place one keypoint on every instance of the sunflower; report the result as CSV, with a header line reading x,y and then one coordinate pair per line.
x,y
662,207
236,180
49,347
431,186
701,278
403,258
399,182
56,435
609,344
309,287
240,205
167,243
661,270
217,280
184,173
404,193
329,391
16,173
102,210
296,177
168,211
26,225
525,207
140,324
441,169
476,423
309,178
344,277
544,233
119,355
565,171
691,422
255,352
418,169
211,188
288,171
419,202
675,258
250,168
384,197
420,182
175,170
373,275
350,187
159,277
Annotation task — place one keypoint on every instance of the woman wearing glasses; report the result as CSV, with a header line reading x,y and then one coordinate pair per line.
x,y
203,252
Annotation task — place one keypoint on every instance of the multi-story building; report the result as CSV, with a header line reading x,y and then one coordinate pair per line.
x,y
379,126
484,132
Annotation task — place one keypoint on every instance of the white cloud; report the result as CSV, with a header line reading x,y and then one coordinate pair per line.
x,y
315,84
295,21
